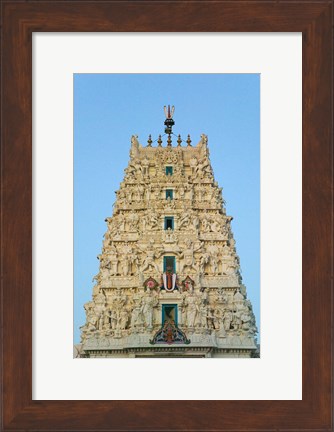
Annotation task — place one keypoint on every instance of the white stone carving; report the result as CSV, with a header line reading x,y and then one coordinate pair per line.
x,y
188,256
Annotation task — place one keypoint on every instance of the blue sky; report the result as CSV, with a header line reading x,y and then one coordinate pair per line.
x,y
109,108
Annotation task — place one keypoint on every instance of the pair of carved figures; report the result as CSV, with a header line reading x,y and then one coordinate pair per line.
x,y
243,320
111,265
214,224
143,310
200,167
237,316
194,307
188,220
187,254
101,317
151,253
150,221
121,223
137,168
221,315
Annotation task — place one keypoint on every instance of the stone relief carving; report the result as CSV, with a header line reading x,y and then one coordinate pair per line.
x,y
152,253
149,301
188,255
191,309
170,236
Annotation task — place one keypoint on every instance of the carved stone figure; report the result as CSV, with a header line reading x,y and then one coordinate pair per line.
x,y
104,261
204,315
205,225
113,259
133,220
154,221
91,317
232,266
181,193
170,236
215,226
190,190
213,250
205,258
221,296
148,192
107,321
140,192
149,301
184,220
145,165
125,265
135,315
134,262
227,319
188,256
151,253
123,321
193,165
191,309
217,318
134,147
195,223
106,240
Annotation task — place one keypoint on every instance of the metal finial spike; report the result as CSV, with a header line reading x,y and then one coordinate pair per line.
x,y
189,140
169,141
179,140
159,141
149,141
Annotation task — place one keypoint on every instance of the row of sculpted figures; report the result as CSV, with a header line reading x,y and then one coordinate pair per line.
x,y
141,222
195,257
121,314
153,191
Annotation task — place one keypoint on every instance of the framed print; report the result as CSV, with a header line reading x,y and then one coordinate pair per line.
x,y
21,22
267,53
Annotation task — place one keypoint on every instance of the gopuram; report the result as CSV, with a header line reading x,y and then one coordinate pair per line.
x,y
169,282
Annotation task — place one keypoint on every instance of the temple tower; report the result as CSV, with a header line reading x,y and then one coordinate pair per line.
x,y
169,282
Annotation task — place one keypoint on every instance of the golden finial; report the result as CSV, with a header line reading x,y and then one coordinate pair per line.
x,y
189,140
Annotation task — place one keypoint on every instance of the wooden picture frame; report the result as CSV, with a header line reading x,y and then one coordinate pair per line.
x,y
19,21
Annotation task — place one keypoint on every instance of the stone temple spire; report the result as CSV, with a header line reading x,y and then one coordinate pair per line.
x,y
169,282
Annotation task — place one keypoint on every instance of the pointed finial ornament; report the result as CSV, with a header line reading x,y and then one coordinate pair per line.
x,y
169,122
179,140
169,141
189,140
149,141
159,141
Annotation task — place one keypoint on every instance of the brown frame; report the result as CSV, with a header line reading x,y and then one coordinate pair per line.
x,y
19,20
